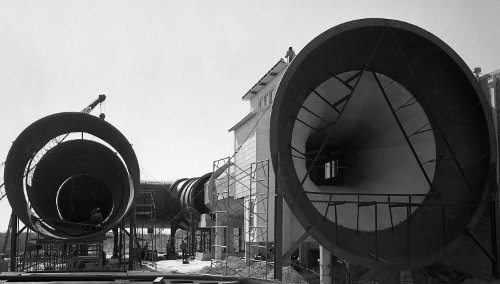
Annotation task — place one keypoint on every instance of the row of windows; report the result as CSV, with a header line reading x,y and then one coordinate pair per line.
x,y
267,99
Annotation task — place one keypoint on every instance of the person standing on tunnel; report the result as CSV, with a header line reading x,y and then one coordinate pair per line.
x,y
290,54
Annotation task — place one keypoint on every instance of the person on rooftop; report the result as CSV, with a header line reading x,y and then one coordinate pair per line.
x,y
290,54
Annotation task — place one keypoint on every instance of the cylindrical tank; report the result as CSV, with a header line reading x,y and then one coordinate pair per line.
x,y
63,167
383,143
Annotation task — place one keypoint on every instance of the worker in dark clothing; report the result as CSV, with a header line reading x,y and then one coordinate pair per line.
x,y
290,54
74,263
96,218
4,265
184,249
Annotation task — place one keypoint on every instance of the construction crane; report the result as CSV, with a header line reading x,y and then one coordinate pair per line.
x,y
100,99
88,109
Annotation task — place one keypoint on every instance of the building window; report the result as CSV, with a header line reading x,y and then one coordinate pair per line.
x,y
266,99
331,169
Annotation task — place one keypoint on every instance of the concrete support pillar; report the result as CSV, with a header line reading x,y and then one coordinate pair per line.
x,y
325,266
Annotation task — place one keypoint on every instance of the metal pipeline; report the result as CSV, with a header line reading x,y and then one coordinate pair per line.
x,y
65,165
173,201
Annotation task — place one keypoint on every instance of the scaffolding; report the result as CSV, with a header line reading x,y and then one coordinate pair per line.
x,y
34,252
145,211
30,251
247,239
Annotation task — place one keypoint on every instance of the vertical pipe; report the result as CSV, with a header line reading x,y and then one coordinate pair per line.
x,y
495,206
408,233
13,242
336,223
443,223
495,235
194,222
131,246
278,225
390,211
227,219
267,215
357,219
376,231
250,219
325,265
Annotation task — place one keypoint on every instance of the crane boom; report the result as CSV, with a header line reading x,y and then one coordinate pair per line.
x,y
93,104
86,110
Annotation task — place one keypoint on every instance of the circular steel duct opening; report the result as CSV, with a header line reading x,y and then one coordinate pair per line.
x,y
90,192
65,165
383,143
366,154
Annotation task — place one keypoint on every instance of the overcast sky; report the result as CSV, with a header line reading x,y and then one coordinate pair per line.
x,y
174,72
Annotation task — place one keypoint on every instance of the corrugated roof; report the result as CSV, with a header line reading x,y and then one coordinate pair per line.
x,y
268,77
241,122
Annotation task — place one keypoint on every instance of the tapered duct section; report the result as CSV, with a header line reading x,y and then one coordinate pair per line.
x,y
383,143
64,166
190,199
176,202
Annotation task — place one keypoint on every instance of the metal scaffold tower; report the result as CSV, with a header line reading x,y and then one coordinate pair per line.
x,y
240,225
145,211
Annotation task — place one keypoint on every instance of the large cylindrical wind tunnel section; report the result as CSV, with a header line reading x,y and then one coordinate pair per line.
x,y
63,167
383,143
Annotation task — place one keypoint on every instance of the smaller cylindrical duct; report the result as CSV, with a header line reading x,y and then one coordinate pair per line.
x,y
191,193
181,218
191,197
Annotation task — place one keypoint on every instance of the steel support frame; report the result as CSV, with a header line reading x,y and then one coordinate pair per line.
x,y
278,225
13,241
132,237
495,204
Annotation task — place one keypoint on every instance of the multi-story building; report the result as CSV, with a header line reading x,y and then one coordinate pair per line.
x,y
251,146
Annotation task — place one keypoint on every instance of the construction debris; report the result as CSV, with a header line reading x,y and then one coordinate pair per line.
x,y
239,268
